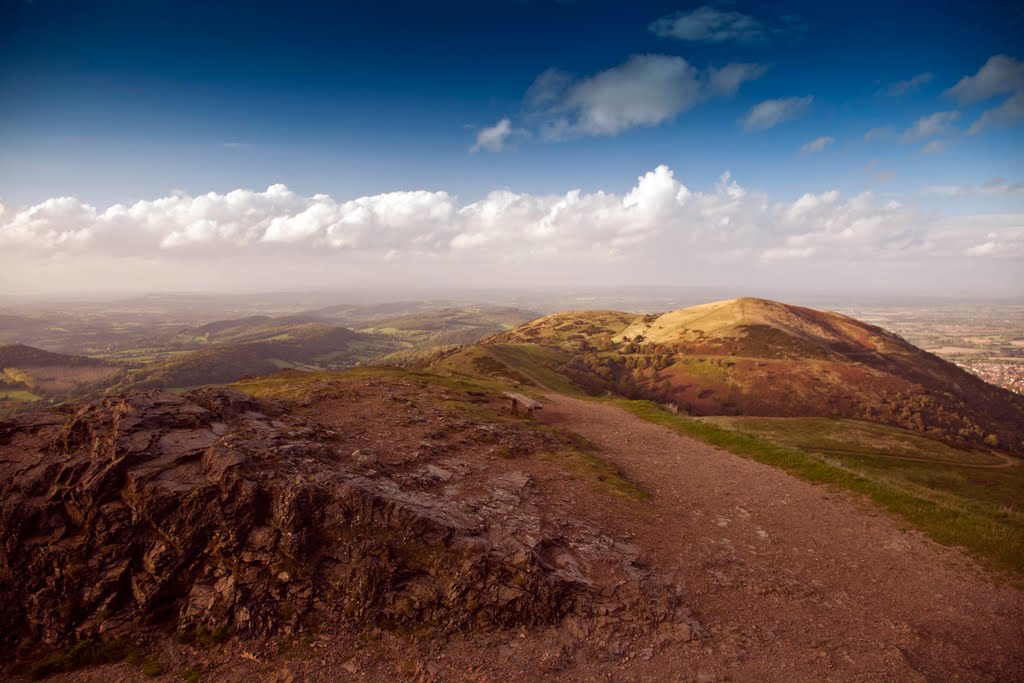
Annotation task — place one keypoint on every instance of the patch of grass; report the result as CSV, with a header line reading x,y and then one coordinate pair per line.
x,y
989,530
17,395
602,474
148,665
203,636
190,675
297,647
87,652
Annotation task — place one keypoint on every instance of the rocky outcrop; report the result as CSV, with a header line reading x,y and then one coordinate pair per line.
x,y
213,513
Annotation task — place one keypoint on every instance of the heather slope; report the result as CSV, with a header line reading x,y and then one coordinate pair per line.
x,y
759,358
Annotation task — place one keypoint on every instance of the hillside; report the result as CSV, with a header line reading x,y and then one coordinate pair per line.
x,y
306,346
453,325
28,374
758,358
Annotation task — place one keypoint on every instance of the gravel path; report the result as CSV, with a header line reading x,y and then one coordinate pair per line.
x,y
798,582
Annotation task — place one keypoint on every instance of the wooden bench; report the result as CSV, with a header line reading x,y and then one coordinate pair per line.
x,y
525,401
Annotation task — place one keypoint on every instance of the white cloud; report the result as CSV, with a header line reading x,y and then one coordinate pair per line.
x,y
900,88
713,25
1009,112
493,138
771,113
939,123
727,80
1007,243
659,225
1000,75
995,186
817,144
646,90
935,147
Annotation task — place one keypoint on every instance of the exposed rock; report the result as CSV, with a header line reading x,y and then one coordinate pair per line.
x,y
213,513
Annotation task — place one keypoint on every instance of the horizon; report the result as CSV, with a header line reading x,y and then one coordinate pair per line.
x,y
735,146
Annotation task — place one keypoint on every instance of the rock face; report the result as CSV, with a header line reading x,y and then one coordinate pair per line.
x,y
215,513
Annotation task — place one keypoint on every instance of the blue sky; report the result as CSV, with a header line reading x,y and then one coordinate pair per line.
x,y
120,102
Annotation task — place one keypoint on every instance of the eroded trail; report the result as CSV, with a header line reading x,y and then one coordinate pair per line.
x,y
796,581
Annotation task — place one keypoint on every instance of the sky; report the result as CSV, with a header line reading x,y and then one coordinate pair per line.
x,y
151,145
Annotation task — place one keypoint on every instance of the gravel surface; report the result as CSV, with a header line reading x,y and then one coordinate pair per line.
x,y
796,581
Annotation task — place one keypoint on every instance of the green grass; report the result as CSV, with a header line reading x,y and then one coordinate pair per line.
x,y
602,474
974,519
87,652
17,395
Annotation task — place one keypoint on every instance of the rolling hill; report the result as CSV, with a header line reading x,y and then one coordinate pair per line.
x,y
757,358
253,346
453,325
28,374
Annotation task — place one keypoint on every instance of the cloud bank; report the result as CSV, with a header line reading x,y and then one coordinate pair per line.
x,y
658,220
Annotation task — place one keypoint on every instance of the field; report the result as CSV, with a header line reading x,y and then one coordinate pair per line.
x,y
17,395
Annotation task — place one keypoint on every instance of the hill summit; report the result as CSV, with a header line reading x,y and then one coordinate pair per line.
x,y
758,357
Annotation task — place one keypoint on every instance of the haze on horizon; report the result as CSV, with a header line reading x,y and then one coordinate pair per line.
x,y
164,146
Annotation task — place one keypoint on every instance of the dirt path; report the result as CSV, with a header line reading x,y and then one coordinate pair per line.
x,y
797,582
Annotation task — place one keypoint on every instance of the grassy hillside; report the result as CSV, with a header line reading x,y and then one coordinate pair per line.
x,y
761,358
306,346
28,374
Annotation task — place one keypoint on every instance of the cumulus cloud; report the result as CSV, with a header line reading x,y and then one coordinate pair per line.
x,y
771,113
493,138
817,144
713,25
1000,75
655,218
646,90
900,88
939,123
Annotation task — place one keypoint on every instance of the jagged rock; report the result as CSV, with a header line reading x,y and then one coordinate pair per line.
x,y
212,512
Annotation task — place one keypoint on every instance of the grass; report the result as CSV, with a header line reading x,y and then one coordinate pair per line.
x,y
602,474
86,652
17,395
976,520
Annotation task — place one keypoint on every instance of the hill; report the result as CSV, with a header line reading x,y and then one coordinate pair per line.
x,y
757,358
258,347
28,374
455,325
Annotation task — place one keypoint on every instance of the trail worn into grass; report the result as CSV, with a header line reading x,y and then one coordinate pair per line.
x,y
796,581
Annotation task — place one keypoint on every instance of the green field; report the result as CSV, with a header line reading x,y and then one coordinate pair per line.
x,y
972,499
17,395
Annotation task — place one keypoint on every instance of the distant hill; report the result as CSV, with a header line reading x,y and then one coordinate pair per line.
x,y
458,325
28,373
308,346
760,358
